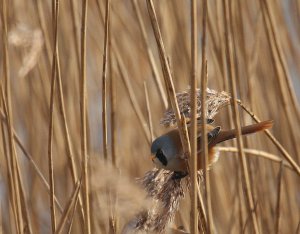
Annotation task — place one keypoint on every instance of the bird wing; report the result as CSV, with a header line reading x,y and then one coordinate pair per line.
x,y
212,134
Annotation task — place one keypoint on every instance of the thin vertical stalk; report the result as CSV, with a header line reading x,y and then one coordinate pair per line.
x,y
193,139
112,114
83,120
204,142
204,147
148,111
235,115
279,195
51,123
75,33
104,78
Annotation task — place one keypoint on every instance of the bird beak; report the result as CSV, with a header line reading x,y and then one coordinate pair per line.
x,y
152,158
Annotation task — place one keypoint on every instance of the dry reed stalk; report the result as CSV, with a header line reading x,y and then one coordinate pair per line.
x,y
54,74
287,156
9,116
258,153
150,55
235,115
83,115
104,78
71,205
148,111
193,101
112,114
74,11
204,141
104,97
114,218
43,26
279,195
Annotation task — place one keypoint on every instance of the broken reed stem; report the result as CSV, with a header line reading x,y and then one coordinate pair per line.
x,y
7,93
279,195
83,113
148,112
104,79
193,140
286,155
55,15
168,79
235,116
150,55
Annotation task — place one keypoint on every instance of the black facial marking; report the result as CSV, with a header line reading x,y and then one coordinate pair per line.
x,y
161,157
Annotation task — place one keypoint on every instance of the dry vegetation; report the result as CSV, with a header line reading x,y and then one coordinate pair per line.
x,y
81,82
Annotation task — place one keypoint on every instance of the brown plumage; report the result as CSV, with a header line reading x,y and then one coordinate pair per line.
x,y
167,149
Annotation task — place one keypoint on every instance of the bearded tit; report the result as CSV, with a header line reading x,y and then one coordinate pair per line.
x,y
167,149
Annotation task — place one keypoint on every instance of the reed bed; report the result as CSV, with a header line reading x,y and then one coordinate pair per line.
x,y
87,85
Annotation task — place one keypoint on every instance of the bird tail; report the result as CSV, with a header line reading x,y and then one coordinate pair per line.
x,y
225,135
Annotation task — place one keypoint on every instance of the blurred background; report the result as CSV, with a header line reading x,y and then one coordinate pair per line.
x,y
265,50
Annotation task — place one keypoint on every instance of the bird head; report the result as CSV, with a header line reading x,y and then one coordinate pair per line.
x,y
165,148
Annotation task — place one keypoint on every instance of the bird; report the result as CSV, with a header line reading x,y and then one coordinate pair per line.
x,y
167,151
